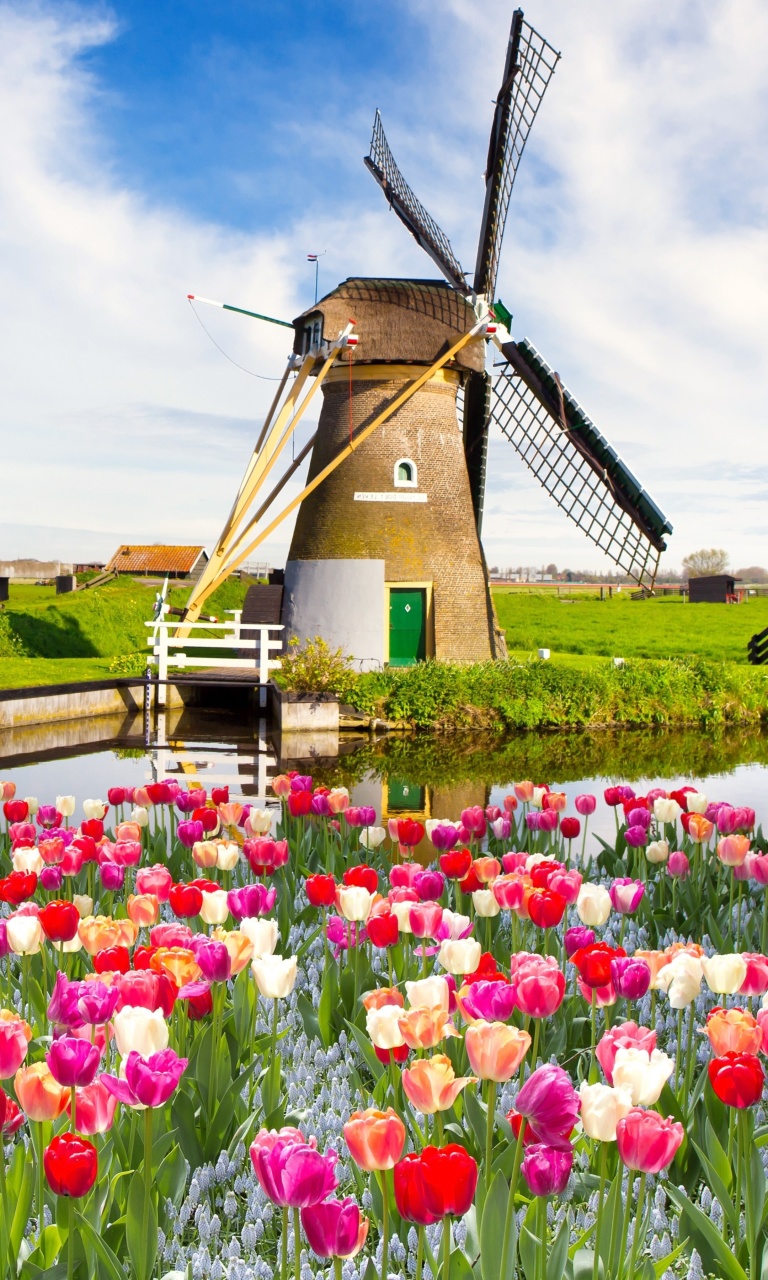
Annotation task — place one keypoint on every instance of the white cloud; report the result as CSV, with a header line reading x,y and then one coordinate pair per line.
x,y
635,259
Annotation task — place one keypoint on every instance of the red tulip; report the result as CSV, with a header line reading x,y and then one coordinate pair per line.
x,y
570,828
471,882
142,957
449,1179
737,1079
18,887
486,971
399,1054
71,1165
93,828
299,803
15,810
208,817
542,873
11,1116
160,792
594,963
220,795
59,921
455,865
409,1192
409,832
383,930
546,908
185,900
112,960
198,1007
321,890
363,877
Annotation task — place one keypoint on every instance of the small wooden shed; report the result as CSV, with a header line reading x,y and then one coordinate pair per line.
x,y
718,588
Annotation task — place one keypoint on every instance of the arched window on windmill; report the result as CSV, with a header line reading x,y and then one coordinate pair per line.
x,y
405,474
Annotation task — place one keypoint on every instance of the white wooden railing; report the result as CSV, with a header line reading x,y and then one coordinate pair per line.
x,y
258,639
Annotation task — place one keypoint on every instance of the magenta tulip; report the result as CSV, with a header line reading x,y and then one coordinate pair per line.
x,y
547,1169
148,1082
292,1171
626,895
73,1062
630,977
576,938
112,876
550,1103
190,833
214,960
335,1228
97,1002
252,900
636,837
429,885
62,1006
489,1001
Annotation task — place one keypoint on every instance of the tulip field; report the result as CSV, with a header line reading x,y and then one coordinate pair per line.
x,y
292,1042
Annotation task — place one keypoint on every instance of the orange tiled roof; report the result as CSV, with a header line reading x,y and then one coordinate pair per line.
x,y
155,559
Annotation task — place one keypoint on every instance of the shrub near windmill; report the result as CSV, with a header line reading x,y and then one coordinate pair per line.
x,y
386,558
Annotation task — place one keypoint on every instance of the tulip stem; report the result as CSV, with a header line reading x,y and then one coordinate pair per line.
x,y
446,1247
638,1225
70,1239
337,1267
542,1216
600,1199
147,1166
384,1226
284,1251
73,1108
627,1214
739,1171
37,1138
297,1244
420,1253
489,1132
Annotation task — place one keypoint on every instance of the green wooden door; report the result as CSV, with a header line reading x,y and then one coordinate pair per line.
x,y
404,797
407,626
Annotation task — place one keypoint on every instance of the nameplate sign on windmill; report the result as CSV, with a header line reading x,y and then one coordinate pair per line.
x,y
386,557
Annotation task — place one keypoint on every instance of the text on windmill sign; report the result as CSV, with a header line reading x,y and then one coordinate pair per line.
x,y
395,495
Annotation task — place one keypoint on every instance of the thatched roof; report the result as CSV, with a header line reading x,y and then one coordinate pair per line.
x,y
398,321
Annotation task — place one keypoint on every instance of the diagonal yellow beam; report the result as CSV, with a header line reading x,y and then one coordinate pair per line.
x,y
240,553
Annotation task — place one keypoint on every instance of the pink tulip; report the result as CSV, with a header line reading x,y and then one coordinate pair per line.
x,y
585,805
548,820
335,1228
73,1062
489,1001
424,918
170,935
625,1035
567,884
13,1047
550,1103
626,895
603,997
509,891
678,865
756,981
156,879
539,987
148,1081
502,827
759,868
403,874
647,1141
514,862
292,1171
95,1109
474,820
127,853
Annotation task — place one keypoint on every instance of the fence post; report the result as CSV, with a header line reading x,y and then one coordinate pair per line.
x,y
162,666
263,664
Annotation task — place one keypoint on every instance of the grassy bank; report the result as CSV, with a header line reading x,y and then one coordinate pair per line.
x,y
549,695
665,627
49,639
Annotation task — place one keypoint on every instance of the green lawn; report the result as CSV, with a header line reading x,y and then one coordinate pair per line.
x,y
50,639
621,627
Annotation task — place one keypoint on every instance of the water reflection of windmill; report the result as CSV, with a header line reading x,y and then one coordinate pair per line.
x,y
386,555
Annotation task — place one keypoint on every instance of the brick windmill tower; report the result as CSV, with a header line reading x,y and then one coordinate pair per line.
x,y
386,558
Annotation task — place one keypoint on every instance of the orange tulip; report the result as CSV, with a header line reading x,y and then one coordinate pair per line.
x,y
143,909
496,1050
424,1028
178,962
732,850
238,945
430,1084
230,813
99,932
381,996
128,831
39,1095
375,1138
656,961
733,1031
486,869
10,1015
699,828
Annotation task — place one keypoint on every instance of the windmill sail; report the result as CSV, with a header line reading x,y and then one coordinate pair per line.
x,y
410,210
576,465
529,67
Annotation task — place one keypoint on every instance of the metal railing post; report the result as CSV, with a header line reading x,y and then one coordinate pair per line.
x,y
162,666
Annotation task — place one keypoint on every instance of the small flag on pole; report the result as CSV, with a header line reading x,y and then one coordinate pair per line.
x,y
311,257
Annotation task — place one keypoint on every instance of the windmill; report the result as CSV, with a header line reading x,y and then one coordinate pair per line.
x,y
386,557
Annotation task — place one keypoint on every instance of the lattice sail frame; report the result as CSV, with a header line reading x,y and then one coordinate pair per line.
x,y
530,65
578,468
409,208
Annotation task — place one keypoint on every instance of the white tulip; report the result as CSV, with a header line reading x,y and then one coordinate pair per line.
x,y
227,856
725,974
275,976
261,933
24,934
372,837
665,810
74,944
537,798
259,821
657,851
681,979
643,1073
140,815
460,956
383,1026
34,804
696,801
458,926
94,809
84,904
65,805
215,908
142,1030
593,905
354,902
403,912
28,860
602,1108
429,993
485,903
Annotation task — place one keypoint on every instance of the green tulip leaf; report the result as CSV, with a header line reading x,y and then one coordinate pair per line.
x,y
714,1252
141,1229
558,1251
109,1267
377,1068
494,1265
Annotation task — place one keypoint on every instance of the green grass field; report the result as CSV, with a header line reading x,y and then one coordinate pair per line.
x,y
50,639
663,627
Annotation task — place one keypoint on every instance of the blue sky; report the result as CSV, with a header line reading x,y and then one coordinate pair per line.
x,y
156,149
